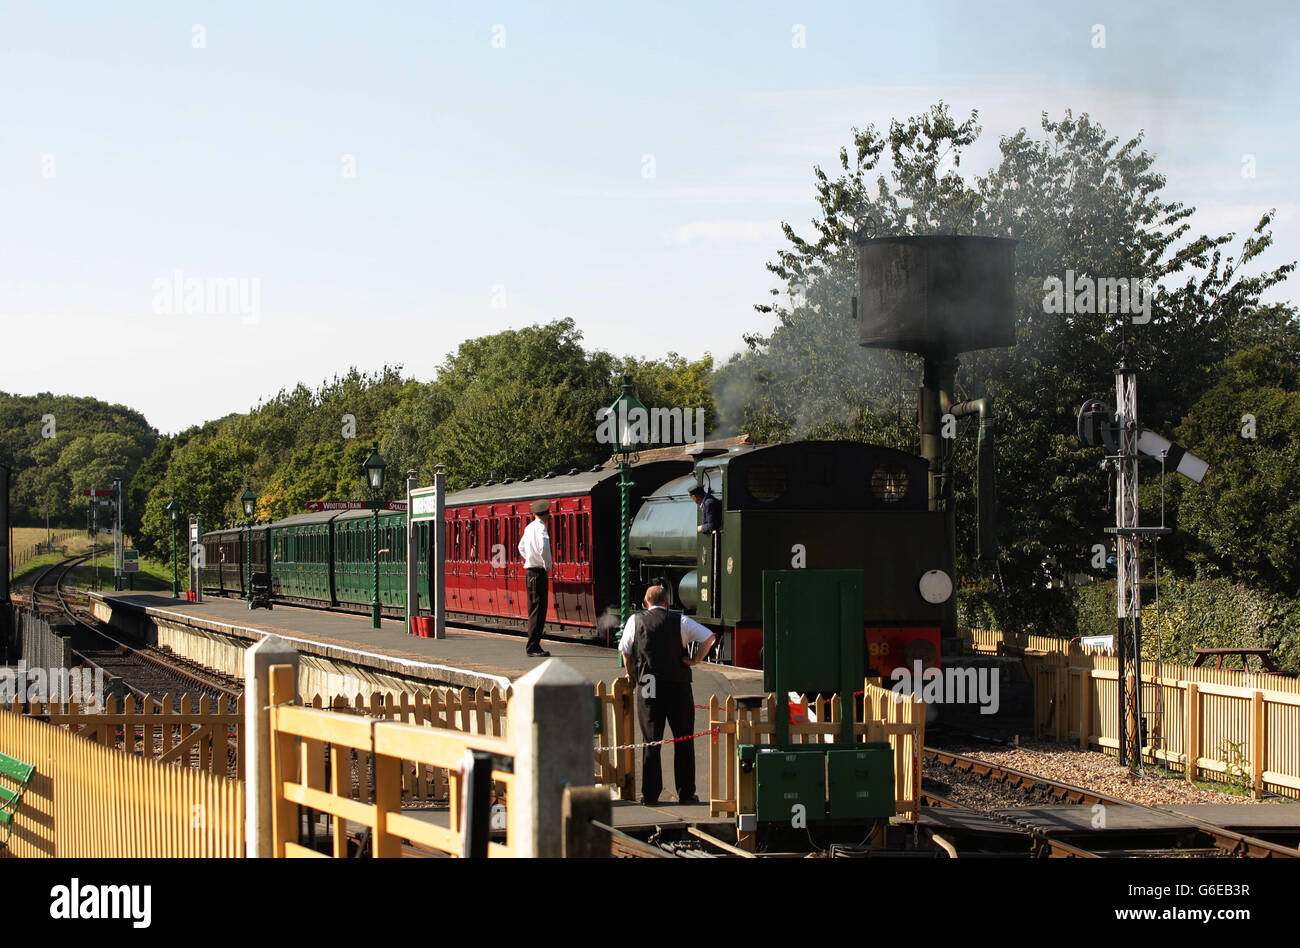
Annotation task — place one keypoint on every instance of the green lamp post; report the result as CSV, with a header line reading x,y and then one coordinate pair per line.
x,y
629,417
249,500
174,509
374,468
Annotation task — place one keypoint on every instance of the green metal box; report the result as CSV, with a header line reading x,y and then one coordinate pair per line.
x,y
860,782
785,778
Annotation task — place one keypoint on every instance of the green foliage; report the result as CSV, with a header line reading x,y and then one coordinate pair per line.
x,y
1243,521
522,402
331,470
517,402
87,445
1074,199
1199,612
1237,767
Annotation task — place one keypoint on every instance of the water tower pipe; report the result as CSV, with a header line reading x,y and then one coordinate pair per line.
x,y
986,476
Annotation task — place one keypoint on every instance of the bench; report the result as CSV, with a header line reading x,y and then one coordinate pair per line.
x,y
18,773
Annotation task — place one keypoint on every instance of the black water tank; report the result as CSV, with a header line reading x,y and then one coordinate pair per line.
x,y
936,295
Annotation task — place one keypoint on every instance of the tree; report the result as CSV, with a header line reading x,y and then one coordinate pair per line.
x,y
522,402
205,476
1244,519
673,382
1076,200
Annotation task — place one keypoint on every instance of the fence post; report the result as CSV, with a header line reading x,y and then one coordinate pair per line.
x,y
272,650
550,731
624,734
1257,744
1192,717
1062,702
581,806
1085,707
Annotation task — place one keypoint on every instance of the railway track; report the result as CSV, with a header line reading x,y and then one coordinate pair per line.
x,y
144,670
1198,838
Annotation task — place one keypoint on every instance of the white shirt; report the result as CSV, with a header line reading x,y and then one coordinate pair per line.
x,y
692,631
535,546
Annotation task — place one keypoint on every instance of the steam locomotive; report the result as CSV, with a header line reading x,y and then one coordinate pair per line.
x,y
808,504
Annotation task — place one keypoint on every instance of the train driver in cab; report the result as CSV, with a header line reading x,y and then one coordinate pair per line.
x,y
710,510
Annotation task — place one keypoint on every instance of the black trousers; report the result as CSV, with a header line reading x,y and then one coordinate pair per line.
x,y
538,594
673,703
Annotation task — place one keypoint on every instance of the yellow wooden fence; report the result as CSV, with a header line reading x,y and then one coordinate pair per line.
x,y
886,717
202,734
87,800
467,710
299,736
1223,724
616,768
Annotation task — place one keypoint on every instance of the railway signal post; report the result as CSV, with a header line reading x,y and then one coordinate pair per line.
x,y
374,468
1126,441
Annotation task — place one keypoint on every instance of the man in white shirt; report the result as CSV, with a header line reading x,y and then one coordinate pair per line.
x,y
535,551
655,647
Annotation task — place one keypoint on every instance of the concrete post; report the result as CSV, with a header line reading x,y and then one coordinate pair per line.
x,y
551,731
272,650
438,561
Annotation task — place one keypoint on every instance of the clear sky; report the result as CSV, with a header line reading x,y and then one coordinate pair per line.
x,y
395,178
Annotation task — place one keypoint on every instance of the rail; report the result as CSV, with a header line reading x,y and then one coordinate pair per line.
x,y
1228,840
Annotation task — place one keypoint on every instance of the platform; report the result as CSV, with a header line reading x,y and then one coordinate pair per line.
x,y
342,654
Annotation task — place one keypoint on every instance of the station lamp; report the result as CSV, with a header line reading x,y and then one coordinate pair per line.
x,y
249,500
374,468
629,430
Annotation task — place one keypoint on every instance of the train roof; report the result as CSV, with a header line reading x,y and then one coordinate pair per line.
x,y
302,519
561,485
342,515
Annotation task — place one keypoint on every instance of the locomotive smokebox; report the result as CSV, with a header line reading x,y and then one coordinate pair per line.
x,y
937,296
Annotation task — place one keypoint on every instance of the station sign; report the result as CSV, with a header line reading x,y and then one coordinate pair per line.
x,y
424,503
130,561
398,505
98,492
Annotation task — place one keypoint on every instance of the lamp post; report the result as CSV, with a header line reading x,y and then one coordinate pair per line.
x,y
374,468
249,500
174,509
629,433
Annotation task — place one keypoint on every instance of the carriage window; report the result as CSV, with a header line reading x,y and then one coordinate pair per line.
x,y
582,538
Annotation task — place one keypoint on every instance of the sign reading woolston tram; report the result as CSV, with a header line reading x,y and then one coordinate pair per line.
x,y
398,505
